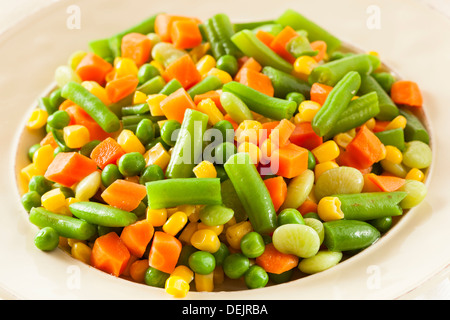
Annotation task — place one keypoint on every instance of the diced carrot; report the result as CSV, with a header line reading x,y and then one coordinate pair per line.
x,y
364,150
213,95
164,252
291,160
66,104
184,70
282,132
279,43
267,128
321,46
124,194
265,37
186,34
137,47
274,261
107,152
81,117
164,23
230,120
68,168
257,81
250,63
137,236
380,125
307,207
386,183
176,104
93,68
109,254
304,136
120,88
49,139
407,93
320,92
277,189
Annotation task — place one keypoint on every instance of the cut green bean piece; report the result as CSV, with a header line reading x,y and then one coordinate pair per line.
x,y
219,31
251,25
235,107
231,200
171,86
102,215
414,129
152,86
300,46
284,83
139,109
272,28
346,235
101,48
393,137
385,80
210,83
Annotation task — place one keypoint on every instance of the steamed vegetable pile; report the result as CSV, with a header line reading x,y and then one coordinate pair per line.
x,y
180,153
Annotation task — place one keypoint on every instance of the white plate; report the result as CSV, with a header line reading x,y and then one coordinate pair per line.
x,y
411,39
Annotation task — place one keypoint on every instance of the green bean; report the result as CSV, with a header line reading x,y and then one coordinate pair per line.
x,y
103,215
393,137
371,205
414,129
252,245
219,32
171,86
202,262
30,200
170,193
101,48
231,200
417,154
65,226
235,107
251,46
209,83
295,96
282,277
227,130
270,107
346,235
272,28
256,277
332,72
92,105
322,261
215,215
336,103
298,189
300,46
298,239
228,63
284,83
297,21
152,86
385,80
44,104
339,55
223,152
252,192
56,99
139,109
416,192
341,180
147,72
134,120
47,239
251,25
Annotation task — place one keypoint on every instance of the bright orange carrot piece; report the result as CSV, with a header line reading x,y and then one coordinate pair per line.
x,y
81,117
265,37
386,183
176,104
365,149
164,252
320,92
93,68
68,168
304,136
49,139
186,34
257,81
277,189
137,236
279,43
273,261
107,152
184,70
137,47
407,93
121,88
124,194
164,23
307,207
250,63
380,125
320,46
291,160
109,254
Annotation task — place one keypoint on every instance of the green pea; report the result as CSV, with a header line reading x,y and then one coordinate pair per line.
x,y
31,200
215,215
311,215
185,253
202,262
221,254
282,277
235,265
47,239
169,132
110,174
55,99
290,216
147,72
145,131
151,173
417,154
155,278
226,129
227,63
223,152
252,245
295,96
131,164
86,150
40,184
57,150
256,277
59,119
32,150
311,160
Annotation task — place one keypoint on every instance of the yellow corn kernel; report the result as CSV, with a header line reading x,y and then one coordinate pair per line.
x,y
329,209
327,151
43,157
217,229
38,119
157,155
304,65
199,51
177,287
71,200
208,107
195,216
355,97
205,64
189,209
205,169
139,97
183,272
129,142
54,200
370,124
343,139
205,240
234,233
222,75
219,275
253,151
158,66
374,53
393,155
415,174
248,131
97,90
71,242
125,67
267,147
307,111
397,122
188,231
88,187
324,166
76,136
175,223
82,252
157,217
29,172
154,103
204,282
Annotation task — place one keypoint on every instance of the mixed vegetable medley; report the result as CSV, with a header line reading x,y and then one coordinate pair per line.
x,y
181,153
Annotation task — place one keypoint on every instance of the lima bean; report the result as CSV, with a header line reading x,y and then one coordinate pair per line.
x,y
322,261
341,180
298,239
